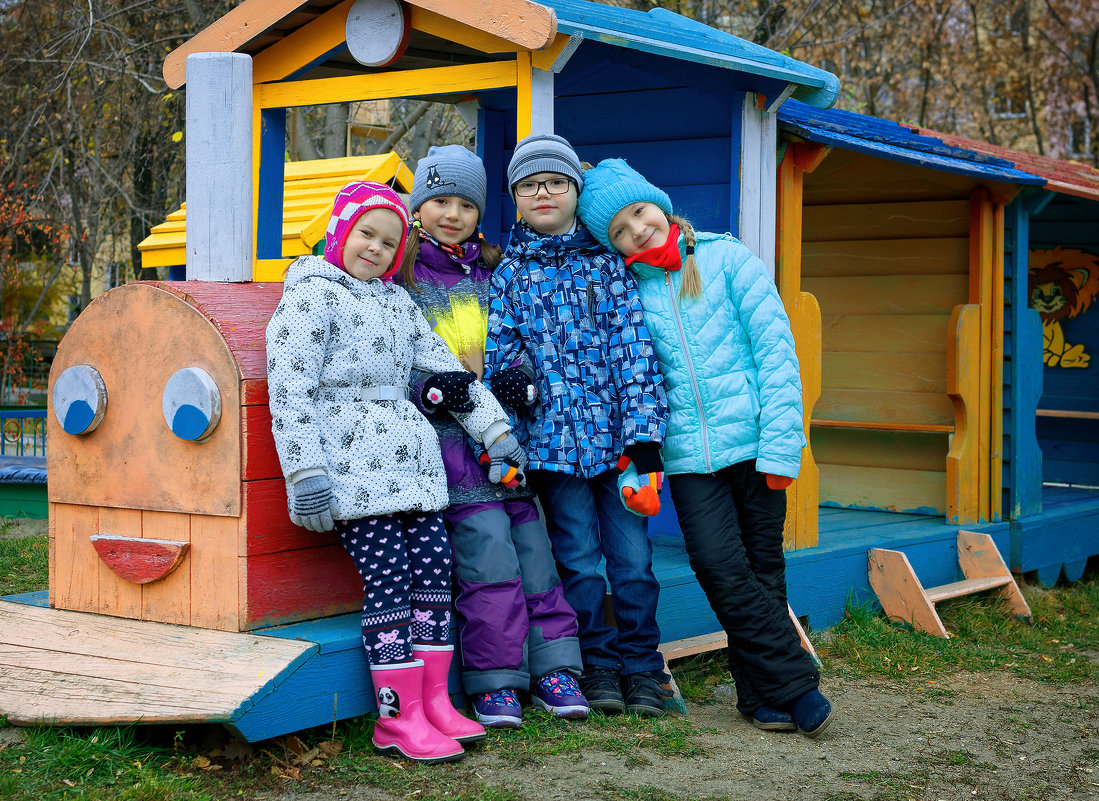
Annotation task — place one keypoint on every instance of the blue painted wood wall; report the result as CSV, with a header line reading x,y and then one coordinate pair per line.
x,y
676,122
1022,458
1070,447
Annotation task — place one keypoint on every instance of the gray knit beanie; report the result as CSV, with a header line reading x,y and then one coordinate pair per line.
x,y
544,153
449,171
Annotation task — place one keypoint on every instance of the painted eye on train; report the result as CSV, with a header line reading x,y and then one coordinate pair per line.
x,y
191,404
79,399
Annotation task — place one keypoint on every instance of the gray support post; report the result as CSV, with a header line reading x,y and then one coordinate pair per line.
x,y
220,241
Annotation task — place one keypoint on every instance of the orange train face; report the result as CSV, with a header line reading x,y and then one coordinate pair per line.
x,y
166,498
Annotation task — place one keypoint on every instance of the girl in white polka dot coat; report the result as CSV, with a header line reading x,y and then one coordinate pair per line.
x,y
358,456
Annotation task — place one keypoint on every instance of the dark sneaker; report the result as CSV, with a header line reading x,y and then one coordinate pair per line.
x,y
499,709
770,719
812,713
559,694
603,688
644,693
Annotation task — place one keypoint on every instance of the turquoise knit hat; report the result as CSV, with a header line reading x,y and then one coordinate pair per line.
x,y
609,187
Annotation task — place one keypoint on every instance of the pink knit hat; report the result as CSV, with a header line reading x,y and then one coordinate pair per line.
x,y
354,200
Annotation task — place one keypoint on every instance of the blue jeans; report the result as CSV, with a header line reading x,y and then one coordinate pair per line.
x,y
587,523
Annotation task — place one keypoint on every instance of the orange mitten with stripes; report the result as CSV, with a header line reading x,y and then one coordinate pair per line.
x,y
641,478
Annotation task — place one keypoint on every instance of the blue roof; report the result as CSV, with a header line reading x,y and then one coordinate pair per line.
x,y
893,141
666,33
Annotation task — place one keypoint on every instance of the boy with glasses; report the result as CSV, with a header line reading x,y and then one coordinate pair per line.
x,y
570,305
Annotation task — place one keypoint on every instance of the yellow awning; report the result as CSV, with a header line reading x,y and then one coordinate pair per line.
x,y
308,191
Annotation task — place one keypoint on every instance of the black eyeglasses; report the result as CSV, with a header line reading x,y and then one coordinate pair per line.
x,y
555,186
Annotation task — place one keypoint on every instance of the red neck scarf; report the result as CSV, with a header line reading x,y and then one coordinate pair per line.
x,y
665,256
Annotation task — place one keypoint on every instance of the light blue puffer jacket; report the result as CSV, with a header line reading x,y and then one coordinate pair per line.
x,y
730,370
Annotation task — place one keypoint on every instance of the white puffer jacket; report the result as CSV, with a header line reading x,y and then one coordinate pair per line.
x,y
332,340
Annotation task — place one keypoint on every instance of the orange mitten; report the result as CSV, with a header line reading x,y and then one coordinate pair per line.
x,y
778,482
640,494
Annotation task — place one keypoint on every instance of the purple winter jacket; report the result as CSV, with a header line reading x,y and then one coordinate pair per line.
x,y
453,293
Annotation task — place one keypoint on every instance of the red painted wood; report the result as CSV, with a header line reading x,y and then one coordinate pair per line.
x,y
253,391
139,560
258,458
1069,177
267,522
299,585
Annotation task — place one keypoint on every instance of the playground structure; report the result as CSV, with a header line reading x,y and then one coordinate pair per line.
x,y
905,438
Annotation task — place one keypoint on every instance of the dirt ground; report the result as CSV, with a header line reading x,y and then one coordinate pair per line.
x,y
971,736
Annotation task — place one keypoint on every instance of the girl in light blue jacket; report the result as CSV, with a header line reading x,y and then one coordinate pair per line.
x,y
735,430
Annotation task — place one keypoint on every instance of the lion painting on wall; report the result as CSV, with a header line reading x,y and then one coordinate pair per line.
x,y
1063,284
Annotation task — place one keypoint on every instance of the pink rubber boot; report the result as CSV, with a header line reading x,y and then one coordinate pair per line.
x,y
440,711
402,727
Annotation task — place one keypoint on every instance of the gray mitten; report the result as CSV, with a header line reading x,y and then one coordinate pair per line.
x,y
312,505
506,462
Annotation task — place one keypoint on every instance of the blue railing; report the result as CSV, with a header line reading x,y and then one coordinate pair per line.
x,y
23,432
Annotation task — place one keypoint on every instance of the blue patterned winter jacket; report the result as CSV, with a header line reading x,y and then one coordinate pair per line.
x,y
574,308
728,361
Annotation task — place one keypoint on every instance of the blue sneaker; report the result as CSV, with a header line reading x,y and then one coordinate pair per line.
x,y
770,719
498,709
559,694
812,713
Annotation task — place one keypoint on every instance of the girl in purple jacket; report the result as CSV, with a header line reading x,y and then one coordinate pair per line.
x,y
517,632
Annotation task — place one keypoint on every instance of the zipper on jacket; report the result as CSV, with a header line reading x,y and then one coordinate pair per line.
x,y
690,370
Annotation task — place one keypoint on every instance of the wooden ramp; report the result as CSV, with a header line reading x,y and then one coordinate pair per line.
x,y
72,668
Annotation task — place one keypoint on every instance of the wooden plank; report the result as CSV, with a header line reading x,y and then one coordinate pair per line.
x,y
1065,413
283,587
979,559
74,567
996,369
902,598
909,333
524,97
896,450
888,372
302,46
849,175
980,293
447,28
803,499
69,668
219,180
865,221
259,458
957,589
216,583
822,422
963,387
117,596
893,294
168,600
904,256
886,489
869,406
377,86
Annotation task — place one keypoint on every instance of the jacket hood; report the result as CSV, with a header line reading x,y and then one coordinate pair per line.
x,y
305,267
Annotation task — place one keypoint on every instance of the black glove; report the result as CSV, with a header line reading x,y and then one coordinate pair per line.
x,y
513,387
645,457
449,392
312,505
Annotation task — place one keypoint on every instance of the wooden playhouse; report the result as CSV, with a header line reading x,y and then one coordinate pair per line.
x,y
1051,378
168,533
900,240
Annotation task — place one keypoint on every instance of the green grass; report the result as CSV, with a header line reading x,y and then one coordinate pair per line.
x,y
984,636
23,562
